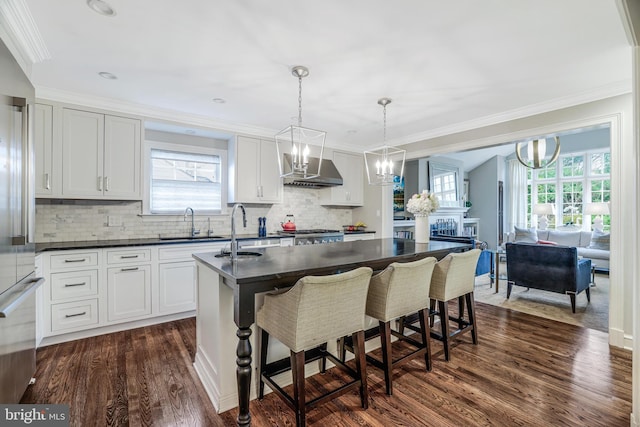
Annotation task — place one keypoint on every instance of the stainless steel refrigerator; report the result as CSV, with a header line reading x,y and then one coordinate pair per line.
x,y
17,281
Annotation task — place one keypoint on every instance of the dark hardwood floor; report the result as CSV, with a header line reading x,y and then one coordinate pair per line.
x,y
526,371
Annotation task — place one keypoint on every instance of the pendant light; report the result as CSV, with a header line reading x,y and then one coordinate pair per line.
x,y
536,153
384,165
300,149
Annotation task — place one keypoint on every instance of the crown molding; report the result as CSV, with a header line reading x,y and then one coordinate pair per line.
x,y
150,113
20,28
603,92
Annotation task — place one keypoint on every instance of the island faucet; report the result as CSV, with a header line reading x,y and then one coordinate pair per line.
x,y
194,232
234,243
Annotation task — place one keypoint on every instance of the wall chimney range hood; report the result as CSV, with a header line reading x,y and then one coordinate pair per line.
x,y
329,175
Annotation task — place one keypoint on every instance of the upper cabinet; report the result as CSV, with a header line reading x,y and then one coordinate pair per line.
x,y
43,145
253,171
351,192
100,156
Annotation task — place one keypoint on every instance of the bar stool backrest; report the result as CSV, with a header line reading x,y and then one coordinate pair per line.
x,y
454,275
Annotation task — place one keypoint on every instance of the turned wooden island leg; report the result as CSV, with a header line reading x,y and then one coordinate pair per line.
x,y
243,375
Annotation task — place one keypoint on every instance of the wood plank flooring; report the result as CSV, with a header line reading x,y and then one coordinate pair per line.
x,y
526,371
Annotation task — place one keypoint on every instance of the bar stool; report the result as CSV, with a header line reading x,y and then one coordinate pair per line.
x,y
453,277
401,289
304,318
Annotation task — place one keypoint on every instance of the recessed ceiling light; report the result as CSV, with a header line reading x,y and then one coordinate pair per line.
x,y
219,100
101,7
352,131
107,75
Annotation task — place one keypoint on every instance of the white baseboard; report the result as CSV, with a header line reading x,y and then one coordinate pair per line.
x,y
57,339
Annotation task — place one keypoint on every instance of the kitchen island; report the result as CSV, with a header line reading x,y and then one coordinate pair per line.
x,y
227,292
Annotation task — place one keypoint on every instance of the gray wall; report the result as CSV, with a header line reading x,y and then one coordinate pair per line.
x,y
483,194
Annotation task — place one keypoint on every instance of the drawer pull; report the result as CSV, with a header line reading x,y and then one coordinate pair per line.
x,y
69,285
75,260
128,256
129,269
75,315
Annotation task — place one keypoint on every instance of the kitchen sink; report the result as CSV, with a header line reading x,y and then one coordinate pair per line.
x,y
241,254
192,238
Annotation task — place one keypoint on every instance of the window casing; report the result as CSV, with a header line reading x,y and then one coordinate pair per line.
x,y
179,176
569,183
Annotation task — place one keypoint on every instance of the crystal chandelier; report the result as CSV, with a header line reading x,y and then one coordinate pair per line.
x,y
384,165
536,152
300,149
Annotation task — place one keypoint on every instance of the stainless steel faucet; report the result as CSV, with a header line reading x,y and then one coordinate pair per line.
x,y
234,243
194,232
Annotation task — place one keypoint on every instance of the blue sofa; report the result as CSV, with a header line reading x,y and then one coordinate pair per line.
x,y
548,268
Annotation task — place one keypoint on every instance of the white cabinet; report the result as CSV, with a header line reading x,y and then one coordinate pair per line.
x,y
128,283
128,292
177,286
100,156
253,171
351,192
43,146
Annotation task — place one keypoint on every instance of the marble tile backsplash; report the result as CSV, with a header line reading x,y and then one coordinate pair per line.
x,y
81,220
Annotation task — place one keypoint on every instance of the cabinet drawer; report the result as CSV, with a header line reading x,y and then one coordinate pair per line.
x,y
74,260
74,284
184,252
74,314
127,256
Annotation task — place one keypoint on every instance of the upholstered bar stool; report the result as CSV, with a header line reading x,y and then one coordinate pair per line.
x,y
453,277
304,318
401,289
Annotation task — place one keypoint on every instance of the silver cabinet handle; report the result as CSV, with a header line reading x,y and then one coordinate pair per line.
x,y
106,183
75,315
70,285
129,269
47,182
128,256
99,183
75,260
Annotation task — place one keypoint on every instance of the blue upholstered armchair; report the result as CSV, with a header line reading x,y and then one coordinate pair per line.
x,y
549,268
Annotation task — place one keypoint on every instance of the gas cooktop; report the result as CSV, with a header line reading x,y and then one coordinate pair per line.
x,y
311,231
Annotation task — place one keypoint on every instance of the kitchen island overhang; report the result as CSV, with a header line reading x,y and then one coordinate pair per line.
x,y
276,268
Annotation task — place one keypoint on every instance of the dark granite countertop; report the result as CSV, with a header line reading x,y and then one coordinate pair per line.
x,y
277,263
346,233
91,244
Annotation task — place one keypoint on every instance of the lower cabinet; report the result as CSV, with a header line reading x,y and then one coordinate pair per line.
x,y
128,292
362,236
102,289
176,286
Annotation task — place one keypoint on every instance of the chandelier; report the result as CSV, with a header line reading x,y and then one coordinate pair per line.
x,y
536,153
300,149
384,165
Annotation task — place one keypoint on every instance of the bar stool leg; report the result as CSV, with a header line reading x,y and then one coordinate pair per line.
x,y
444,324
264,344
424,331
385,338
297,370
361,367
471,309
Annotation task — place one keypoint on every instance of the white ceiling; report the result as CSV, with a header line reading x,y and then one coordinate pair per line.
x,y
444,64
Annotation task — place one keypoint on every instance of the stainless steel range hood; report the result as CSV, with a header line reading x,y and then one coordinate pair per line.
x,y
329,175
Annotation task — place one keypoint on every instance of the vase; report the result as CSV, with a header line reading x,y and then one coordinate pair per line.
x,y
422,229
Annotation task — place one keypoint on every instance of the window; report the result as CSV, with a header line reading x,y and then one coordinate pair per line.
x,y
185,176
569,183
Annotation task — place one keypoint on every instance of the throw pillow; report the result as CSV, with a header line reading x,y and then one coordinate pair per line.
x,y
546,242
599,240
527,235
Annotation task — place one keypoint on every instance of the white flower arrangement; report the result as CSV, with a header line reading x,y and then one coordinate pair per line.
x,y
423,203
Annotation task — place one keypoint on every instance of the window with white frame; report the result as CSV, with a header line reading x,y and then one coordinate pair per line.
x,y
571,182
185,176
